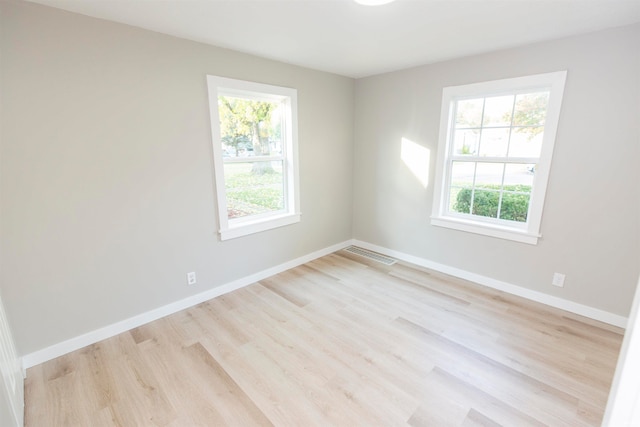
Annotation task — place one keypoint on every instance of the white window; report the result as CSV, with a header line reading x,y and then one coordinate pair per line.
x,y
494,155
254,130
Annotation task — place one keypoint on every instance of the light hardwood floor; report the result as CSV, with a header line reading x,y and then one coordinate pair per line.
x,y
339,341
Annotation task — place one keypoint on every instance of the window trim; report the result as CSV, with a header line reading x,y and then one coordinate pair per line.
x,y
528,232
230,229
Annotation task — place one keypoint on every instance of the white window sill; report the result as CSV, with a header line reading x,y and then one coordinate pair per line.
x,y
486,229
264,224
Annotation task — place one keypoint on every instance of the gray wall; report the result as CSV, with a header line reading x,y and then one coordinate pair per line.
x,y
591,220
107,176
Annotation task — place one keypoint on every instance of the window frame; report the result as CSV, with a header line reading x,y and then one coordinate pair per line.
x,y
529,231
290,214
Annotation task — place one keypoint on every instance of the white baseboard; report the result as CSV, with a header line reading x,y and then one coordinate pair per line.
x,y
563,304
59,349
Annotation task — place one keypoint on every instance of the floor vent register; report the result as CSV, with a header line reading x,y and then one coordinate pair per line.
x,y
374,256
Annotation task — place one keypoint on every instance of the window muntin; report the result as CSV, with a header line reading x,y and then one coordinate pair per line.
x,y
494,155
255,155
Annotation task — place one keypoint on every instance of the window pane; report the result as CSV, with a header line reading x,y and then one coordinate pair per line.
x,y
514,207
485,203
466,142
531,109
253,188
276,130
249,127
519,177
462,174
494,142
489,175
526,142
469,113
460,199
497,111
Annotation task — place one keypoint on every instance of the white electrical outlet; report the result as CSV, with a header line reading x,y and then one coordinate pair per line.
x,y
558,280
191,278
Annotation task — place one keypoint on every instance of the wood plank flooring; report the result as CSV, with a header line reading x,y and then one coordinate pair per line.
x,y
340,341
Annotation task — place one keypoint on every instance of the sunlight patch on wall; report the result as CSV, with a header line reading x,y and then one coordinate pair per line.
x,y
416,157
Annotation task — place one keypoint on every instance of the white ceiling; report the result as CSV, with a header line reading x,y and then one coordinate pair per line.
x,y
343,37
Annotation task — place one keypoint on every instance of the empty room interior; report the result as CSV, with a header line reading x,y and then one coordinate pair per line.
x,y
314,213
